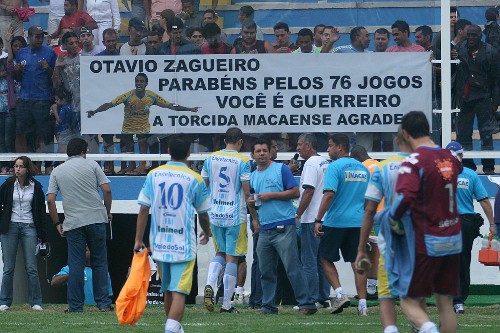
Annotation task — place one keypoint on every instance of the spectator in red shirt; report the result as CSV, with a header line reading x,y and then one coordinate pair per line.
x,y
74,18
214,43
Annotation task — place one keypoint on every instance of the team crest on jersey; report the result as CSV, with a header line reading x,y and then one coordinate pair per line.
x,y
445,168
356,176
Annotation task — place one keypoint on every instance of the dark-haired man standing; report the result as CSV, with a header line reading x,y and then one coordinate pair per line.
x,y
85,218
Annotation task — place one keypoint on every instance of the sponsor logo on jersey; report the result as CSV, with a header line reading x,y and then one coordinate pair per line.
x,y
463,183
356,176
404,169
223,203
169,247
170,230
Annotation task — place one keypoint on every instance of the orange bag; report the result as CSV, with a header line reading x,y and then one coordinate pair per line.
x,y
489,256
132,299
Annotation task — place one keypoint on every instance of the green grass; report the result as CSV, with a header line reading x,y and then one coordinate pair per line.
x,y
196,319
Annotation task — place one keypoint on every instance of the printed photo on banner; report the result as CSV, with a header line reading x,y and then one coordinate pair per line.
x,y
258,93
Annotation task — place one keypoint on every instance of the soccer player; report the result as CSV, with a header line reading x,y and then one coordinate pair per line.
x,y
346,180
173,192
228,173
382,186
426,188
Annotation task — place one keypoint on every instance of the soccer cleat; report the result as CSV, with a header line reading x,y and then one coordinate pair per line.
x,y
209,298
324,304
339,304
4,308
230,310
459,308
37,307
363,311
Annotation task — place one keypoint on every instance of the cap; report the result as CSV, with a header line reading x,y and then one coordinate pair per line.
x,y
85,30
456,147
36,30
136,24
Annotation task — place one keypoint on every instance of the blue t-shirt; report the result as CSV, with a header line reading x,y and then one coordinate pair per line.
x,y
348,178
4,95
276,178
65,113
36,83
88,287
469,187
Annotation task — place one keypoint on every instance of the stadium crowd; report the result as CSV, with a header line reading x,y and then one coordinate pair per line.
x,y
41,95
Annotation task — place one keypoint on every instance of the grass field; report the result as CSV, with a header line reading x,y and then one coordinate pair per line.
x,y
22,319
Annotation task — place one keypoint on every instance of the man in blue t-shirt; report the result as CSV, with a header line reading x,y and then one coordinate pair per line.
x,y
469,187
346,181
275,187
32,115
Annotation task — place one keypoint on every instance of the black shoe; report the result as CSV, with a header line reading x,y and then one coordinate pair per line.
x,y
108,309
372,297
71,311
230,310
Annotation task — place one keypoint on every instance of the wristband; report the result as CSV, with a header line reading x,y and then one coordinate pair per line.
x,y
318,221
57,223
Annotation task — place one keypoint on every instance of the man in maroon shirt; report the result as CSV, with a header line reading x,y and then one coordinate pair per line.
x,y
426,188
74,18
214,43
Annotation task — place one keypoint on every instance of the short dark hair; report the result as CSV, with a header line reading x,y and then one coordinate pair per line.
x,y
415,123
491,14
305,32
73,2
179,146
233,135
211,29
460,25
248,11
359,153
190,31
156,33
175,24
355,32
142,75
67,36
249,24
474,26
340,139
76,146
425,29
454,9
281,25
210,11
382,31
109,31
263,140
62,93
18,39
321,25
401,26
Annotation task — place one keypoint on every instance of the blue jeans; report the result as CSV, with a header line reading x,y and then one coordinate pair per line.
x,y
283,245
318,284
94,236
255,299
26,233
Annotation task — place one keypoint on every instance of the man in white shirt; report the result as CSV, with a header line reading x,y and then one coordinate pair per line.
x,y
311,192
88,46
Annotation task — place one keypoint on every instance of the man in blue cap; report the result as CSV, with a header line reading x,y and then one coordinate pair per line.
x,y
469,188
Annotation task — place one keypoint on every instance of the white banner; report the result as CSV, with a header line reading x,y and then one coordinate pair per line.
x,y
261,93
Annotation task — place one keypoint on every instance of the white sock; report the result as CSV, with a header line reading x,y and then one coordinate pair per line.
x,y
229,283
239,290
173,326
429,327
340,292
391,329
362,303
214,270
